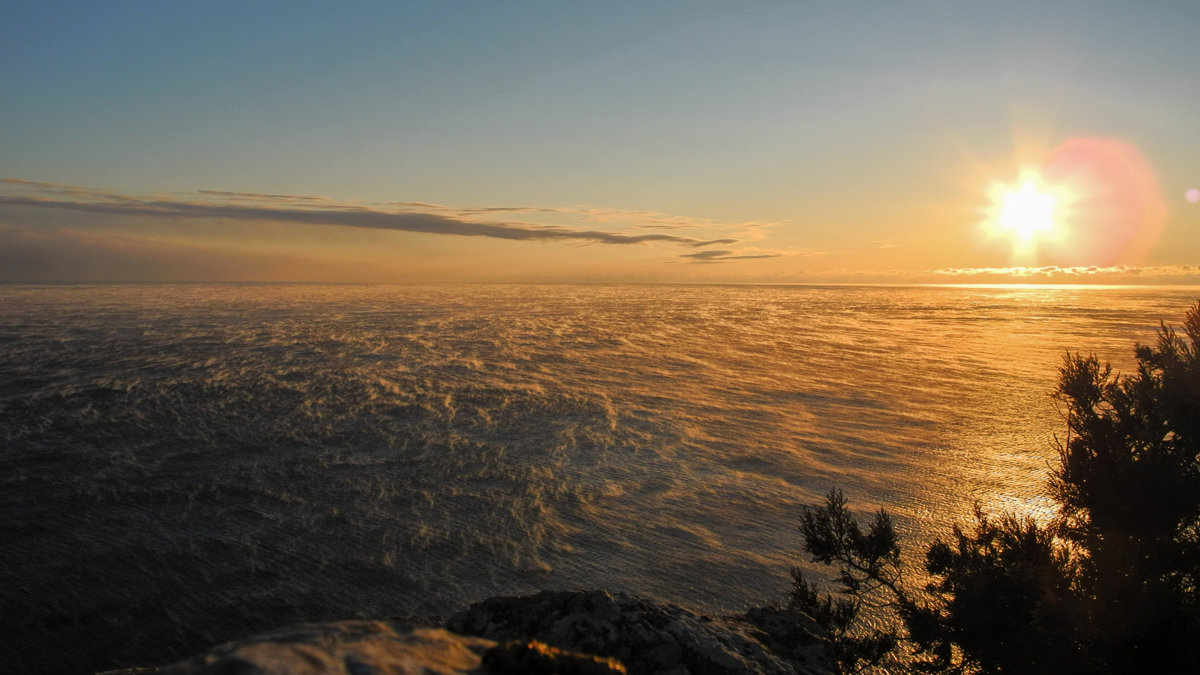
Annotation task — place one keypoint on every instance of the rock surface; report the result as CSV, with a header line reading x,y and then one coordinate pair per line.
x,y
651,637
349,647
380,648
567,633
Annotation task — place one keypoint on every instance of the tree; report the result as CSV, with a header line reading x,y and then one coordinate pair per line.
x,y
1111,585
1128,486
870,573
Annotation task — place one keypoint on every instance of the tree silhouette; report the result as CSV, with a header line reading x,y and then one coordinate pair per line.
x,y
1128,486
1110,585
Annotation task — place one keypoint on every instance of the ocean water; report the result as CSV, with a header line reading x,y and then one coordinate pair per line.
x,y
185,464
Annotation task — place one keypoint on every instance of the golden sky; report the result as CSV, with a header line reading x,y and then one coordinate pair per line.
x,y
693,142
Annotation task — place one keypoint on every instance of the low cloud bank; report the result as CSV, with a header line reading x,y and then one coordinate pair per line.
x,y
1118,274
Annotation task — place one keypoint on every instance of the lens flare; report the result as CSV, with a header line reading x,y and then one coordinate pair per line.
x,y
1095,201
1117,209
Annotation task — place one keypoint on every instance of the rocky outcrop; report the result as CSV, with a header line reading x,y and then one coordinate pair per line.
x,y
651,637
380,648
563,633
349,647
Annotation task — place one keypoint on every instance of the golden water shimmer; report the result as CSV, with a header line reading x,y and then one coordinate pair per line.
x,y
184,464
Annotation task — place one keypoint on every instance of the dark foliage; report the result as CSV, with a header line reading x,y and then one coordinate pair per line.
x,y
1128,482
1002,601
1110,586
869,572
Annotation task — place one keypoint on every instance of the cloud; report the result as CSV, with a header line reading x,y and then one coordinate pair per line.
x,y
1057,272
649,220
260,207
1053,274
1180,275
62,189
261,197
719,255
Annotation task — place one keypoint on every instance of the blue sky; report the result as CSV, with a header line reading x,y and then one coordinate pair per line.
x,y
835,141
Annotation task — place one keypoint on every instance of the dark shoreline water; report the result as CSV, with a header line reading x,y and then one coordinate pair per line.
x,y
187,464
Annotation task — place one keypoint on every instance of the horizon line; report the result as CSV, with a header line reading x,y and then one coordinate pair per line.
x,y
846,284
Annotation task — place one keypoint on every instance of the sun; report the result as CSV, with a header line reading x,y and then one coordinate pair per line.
x,y
1026,214
1026,211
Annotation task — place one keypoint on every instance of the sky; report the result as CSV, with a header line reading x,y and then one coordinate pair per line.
x,y
755,142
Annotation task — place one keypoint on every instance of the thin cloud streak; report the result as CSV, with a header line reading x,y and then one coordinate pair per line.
x,y
65,190
258,197
713,242
323,211
719,255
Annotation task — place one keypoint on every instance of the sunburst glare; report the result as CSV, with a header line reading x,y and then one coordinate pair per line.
x,y
1025,214
1027,211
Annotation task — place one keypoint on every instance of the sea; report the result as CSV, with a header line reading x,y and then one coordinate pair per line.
x,y
186,464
